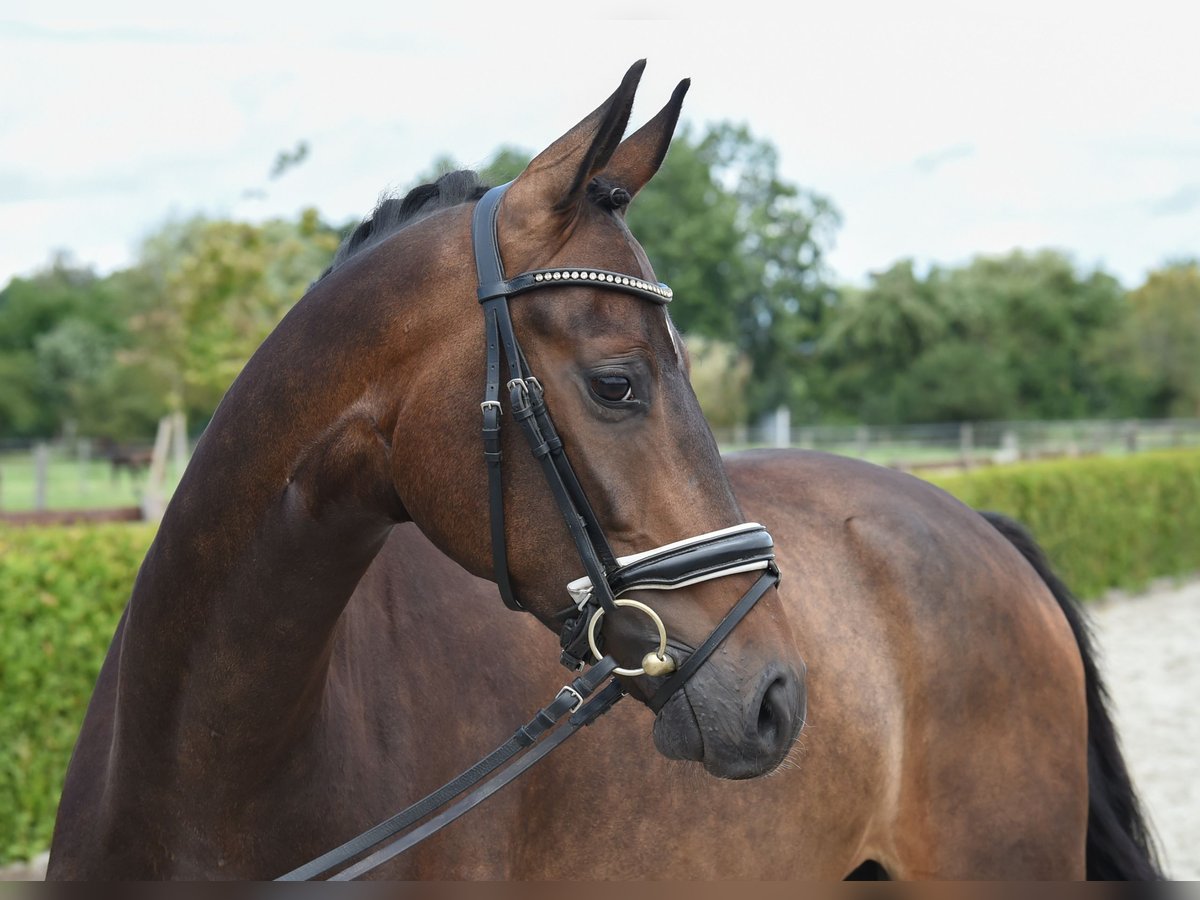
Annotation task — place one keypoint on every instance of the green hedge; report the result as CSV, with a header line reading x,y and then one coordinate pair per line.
x,y
1105,522
62,591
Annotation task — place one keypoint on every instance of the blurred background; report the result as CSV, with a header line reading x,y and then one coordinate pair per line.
x,y
956,239
927,235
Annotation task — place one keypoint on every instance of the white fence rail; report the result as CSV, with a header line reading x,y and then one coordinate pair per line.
x,y
84,474
969,443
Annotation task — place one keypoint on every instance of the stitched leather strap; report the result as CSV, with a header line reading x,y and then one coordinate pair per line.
x,y
696,562
655,292
598,539
679,678
524,737
492,411
529,411
587,714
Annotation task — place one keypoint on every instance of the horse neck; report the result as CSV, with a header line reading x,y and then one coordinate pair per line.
x,y
286,501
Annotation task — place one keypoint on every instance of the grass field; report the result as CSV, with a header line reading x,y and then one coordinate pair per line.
x,y
75,482
71,483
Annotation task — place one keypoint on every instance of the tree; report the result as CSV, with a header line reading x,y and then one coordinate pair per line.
x,y
1046,318
719,376
1163,339
209,291
58,324
1020,335
892,321
744,251
872,338
73,360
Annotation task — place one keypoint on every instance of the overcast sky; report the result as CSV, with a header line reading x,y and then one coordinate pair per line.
x,y
938,130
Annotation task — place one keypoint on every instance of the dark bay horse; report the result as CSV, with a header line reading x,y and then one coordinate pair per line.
x,y
311,643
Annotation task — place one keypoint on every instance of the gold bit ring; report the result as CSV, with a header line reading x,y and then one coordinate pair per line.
x,y
638,605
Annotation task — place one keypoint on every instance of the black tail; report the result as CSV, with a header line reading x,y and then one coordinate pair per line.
x,y
1120,846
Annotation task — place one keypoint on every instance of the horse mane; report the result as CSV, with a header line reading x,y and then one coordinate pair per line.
x,y
393,212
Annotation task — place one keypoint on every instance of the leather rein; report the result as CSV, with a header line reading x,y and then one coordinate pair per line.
x,y
741,548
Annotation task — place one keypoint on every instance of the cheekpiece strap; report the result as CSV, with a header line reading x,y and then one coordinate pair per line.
x,y
526,403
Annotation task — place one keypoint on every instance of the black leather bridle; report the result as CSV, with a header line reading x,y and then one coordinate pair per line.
x,y
740,548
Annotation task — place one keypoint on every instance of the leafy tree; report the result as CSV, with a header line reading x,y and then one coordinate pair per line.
x,y
73,360
209,291
744,251
955,381
872,337
1046,318
55,325
719,376
1021,335
1163,339
896,318
22,414
506,164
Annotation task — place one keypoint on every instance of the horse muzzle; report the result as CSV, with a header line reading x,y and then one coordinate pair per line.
x,y
739,726
733,731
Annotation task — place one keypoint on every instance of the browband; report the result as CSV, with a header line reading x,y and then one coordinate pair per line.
x,y
656,292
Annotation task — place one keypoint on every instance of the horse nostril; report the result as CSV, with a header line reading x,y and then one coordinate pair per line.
x,y
773,710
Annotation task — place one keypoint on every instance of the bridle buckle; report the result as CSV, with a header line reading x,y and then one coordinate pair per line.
x,y
567,689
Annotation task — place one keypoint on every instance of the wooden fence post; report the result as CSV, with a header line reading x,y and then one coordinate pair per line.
x,y
41,459
1131,436
783,427
153,502
966,443
180,442
862,440
83,458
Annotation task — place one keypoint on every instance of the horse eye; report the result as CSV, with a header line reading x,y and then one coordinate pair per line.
x,y
612,388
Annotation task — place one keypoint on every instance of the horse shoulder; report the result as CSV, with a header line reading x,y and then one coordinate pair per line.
x,y
943,644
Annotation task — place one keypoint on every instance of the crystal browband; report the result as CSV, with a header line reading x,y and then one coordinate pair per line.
x,y
657,292
582,275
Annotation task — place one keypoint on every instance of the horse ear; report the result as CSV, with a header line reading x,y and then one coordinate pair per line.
x,y
639,156
558,177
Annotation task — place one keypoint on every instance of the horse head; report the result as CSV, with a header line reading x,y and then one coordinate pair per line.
x,y
623,476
